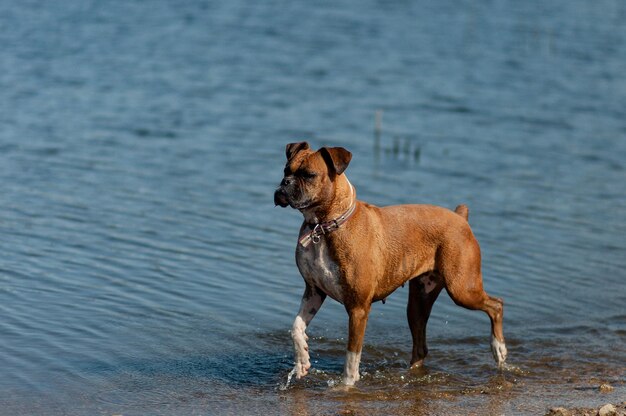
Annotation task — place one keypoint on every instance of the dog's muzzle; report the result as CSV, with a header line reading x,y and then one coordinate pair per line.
x,y
284,193
280,197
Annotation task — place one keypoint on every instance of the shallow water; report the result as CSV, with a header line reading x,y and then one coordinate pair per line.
x,y
144,269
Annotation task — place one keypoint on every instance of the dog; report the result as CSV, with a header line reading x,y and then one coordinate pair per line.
x,y
358,253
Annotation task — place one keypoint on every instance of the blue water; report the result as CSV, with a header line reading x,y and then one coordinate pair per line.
x,y
145,270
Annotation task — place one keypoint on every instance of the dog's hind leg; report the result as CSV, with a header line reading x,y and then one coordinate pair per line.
x,y
459,265
493,307
464,284
423,292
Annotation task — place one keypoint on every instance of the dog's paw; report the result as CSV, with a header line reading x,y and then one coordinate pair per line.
x,y
498,349
302,358
351,369
302,367
350,379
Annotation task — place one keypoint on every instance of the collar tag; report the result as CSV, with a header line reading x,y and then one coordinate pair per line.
x,y
315,235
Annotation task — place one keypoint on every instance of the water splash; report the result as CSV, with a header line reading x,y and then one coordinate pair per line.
x,y
285,386
513,369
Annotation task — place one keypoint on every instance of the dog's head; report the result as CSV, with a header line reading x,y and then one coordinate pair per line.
x,y
310,175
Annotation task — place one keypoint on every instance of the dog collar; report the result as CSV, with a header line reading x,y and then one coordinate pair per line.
x,y
315,235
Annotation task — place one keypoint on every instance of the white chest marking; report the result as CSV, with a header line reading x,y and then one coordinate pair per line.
x,y
319,269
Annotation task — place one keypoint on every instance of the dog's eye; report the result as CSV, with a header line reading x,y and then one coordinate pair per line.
x,y
307,174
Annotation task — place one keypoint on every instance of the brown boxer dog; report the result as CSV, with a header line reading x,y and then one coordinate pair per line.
x,y
358,254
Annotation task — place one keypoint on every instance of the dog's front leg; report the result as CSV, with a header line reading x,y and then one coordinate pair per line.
x,y
357,323
310,304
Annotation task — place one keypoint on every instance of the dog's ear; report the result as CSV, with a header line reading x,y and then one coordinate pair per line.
x,y
293,148
337,158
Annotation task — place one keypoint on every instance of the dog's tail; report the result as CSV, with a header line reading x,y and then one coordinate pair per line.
x,y
463,211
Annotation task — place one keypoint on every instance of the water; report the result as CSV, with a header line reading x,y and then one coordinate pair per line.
x,y
144,269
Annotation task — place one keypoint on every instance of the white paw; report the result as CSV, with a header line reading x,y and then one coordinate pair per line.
x,y
350,380
302,362
301,352
498,349
351,369
302,366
